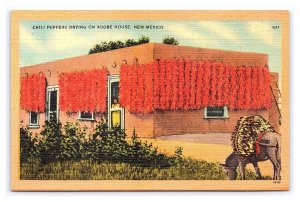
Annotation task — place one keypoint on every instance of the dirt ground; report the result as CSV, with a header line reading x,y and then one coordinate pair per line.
x,y
210,147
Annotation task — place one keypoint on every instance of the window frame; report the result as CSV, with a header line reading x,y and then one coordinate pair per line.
x,y
48,97
111,79
34,125
225,116
86,119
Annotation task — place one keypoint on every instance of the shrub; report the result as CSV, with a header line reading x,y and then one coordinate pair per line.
x,y
170,40
27,145
112,45
51,144
69,143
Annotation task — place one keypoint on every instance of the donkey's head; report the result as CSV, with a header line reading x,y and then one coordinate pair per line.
x,y
230,166
229,171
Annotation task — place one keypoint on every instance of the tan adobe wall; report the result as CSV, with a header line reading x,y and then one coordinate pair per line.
x,y
142,123
227,57
193,121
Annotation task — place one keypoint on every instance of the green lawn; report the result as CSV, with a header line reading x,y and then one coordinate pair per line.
x,y
188,169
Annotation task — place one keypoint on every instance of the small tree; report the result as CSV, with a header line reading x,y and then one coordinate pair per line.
x,y
144,39
170,40
130,42
112,45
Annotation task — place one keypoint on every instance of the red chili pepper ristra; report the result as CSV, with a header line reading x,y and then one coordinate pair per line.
x,y
175,85
168,85
194,72
181,81
32,92
83,91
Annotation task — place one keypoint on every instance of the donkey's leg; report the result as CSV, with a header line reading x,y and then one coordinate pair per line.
x,y
257,170
242,166
271,151
278,156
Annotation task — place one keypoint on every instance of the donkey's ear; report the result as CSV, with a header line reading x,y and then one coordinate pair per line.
x,y
223,165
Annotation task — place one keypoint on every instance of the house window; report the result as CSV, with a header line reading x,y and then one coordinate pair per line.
x,y
86,116
216,112
34,120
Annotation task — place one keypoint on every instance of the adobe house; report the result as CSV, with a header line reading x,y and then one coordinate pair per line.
x,y
156,89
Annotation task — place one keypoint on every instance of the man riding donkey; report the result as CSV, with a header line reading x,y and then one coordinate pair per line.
x,y
253,140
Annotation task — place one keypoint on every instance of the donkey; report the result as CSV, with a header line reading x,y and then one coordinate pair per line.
x,y
270,146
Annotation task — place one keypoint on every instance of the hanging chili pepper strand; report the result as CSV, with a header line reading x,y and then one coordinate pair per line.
x,y
84,92
248,98
87,91
22,92
175,84
141,89
128,86
233,88
91,108
62,81
213,85
260,86
220,84
68,95
133,88
68,92
148,77
193,80
83,100
93,90
61,92
34,92
104,75
71,77
42,93
31,92
124,85
77,102
39,83
162,85
181,96
90,92
187,84
27,93
169,84
206,84
225,92
156,85
99,85
240,79
253,89
199,84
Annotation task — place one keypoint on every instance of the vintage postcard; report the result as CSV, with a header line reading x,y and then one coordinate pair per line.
x,y
149,100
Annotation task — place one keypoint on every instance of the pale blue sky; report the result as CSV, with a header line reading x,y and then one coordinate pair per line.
x,y
43,45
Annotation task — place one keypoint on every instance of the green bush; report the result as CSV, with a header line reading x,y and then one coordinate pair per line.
x,y
112,45
27,145
170,41
69,142
51,146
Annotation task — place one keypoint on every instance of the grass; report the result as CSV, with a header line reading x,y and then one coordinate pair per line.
x,y
188,169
